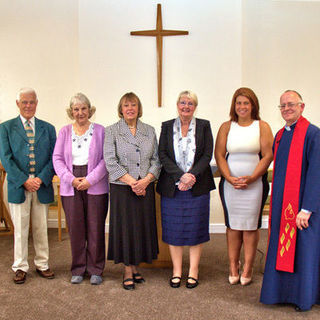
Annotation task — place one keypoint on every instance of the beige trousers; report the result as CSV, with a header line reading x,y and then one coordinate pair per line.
x,y
21,214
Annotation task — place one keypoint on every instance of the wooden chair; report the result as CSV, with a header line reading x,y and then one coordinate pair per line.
x,y
5,218
57,205
4,213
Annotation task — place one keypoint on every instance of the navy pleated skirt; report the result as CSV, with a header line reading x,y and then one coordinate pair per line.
x,y
185,219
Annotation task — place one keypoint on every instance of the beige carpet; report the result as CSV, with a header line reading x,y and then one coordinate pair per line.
x,y
214,298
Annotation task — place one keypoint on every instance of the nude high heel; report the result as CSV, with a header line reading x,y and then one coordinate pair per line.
x,y
235,279
245,281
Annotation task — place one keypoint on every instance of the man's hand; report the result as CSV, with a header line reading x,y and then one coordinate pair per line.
x,y
32,184
302,220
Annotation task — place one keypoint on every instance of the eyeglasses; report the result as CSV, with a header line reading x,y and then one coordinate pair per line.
x,y
31,102
184,103
290,105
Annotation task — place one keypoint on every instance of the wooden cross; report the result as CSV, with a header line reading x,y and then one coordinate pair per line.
x,y
159,33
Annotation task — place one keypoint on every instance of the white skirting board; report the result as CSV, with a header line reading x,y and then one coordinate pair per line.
x,y
213,227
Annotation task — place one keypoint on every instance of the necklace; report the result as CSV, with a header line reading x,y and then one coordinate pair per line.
x,y
80,140
133,127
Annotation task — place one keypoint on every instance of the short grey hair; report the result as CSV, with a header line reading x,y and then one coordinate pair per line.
x,y
296,92
191,95
26,90
80,98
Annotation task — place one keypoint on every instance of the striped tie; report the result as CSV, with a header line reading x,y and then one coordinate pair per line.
x,y
30,135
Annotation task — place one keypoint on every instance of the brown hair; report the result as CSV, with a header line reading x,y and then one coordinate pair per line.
x,y
248,93
130,96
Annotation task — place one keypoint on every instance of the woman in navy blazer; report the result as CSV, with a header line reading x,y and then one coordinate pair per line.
x,y
78,161
185,151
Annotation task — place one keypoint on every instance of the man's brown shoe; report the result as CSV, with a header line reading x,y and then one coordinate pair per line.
x,y
48,274
20,277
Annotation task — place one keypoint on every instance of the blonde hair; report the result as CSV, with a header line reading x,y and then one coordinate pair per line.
x,y
191,95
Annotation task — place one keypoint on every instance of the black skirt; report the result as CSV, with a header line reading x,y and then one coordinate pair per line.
x,y
133,230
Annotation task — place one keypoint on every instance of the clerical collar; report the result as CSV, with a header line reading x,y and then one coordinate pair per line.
x,y
288,128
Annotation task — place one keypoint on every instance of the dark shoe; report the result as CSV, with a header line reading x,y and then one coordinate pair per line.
x,y
298,309
137,278
175,284
48,274
191,285
20,277
128,286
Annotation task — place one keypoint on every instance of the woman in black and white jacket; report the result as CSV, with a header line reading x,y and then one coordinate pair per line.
x,y
131,156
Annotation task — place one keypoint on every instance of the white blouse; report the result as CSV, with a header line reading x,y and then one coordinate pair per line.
x,y
80,146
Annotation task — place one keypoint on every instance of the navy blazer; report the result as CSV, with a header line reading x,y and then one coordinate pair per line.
x,y
14,155
171,173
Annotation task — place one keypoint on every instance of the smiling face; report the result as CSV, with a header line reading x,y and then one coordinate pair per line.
x,y
80,113
130,110
243,108
27,104
292,107
186,108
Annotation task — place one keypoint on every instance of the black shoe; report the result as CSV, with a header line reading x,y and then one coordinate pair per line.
x,y
128,286
298,309
137,278
191,285
175,284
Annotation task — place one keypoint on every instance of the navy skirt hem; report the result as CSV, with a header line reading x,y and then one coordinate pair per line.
x,y
185,219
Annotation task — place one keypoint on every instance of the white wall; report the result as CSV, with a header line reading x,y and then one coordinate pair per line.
x,y
39,48
281,50
113,62
63,46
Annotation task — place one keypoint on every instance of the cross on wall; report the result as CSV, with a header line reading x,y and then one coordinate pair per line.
x,y
159,33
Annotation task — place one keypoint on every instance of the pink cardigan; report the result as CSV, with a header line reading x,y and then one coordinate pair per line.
x,y
62,162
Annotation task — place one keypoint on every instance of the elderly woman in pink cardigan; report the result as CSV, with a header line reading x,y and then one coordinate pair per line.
x,y
78,161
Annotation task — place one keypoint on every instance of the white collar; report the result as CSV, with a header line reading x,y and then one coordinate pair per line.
x,y
31,120
288,128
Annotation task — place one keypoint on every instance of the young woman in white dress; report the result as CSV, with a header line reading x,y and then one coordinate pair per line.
x,y
243,154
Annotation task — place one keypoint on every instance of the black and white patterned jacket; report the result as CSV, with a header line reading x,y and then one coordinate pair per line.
x,y
136,155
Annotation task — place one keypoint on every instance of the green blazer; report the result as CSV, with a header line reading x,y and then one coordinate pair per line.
x,y
14,155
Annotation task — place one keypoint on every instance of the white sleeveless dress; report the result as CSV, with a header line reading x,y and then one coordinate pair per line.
x,y
243,207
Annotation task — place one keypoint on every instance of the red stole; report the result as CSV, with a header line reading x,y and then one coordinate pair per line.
x,y
290,202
